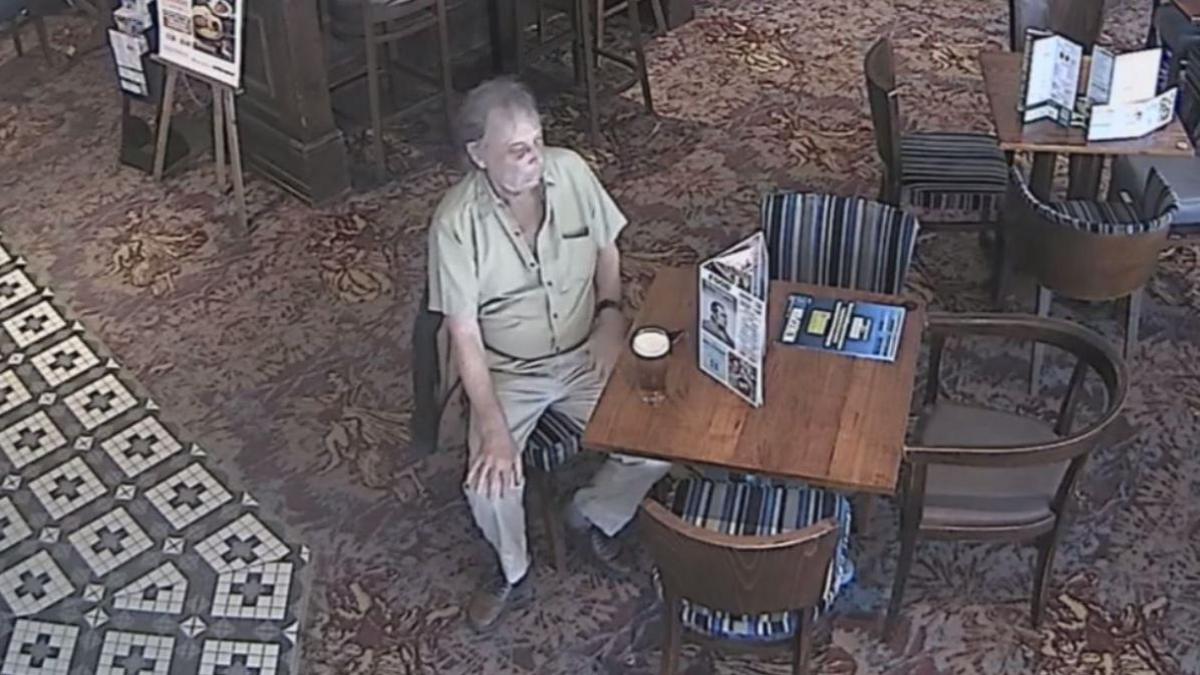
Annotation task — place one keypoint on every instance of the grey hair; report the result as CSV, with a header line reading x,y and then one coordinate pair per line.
x,y
501,93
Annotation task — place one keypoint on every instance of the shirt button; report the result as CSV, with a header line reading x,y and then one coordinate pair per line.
x,y
555,315
550,284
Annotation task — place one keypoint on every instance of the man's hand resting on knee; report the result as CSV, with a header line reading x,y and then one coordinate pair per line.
x,y
496,467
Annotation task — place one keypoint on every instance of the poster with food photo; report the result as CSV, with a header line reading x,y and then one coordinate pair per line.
x,y
203,36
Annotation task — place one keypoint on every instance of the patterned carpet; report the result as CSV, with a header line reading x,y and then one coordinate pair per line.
x,y
286,359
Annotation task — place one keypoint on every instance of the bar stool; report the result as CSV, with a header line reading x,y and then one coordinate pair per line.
x,y
587,47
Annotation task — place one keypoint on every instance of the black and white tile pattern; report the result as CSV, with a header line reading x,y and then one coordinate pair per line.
x,y
120,552
41,648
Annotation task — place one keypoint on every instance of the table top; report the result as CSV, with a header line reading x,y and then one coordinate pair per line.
x,y
1191,8
829,419
1002,79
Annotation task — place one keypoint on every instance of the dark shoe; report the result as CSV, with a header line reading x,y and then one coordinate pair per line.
x,y
490,600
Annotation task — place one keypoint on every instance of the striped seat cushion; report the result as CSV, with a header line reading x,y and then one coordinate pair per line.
x,y
554,440
759,507
1156,210
953,171
847,242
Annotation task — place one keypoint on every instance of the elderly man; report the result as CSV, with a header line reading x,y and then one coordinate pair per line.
x,y
524,265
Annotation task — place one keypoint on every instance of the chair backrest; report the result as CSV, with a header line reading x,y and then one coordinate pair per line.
x,y
1085,251
1078,20
848,242
1093,355
739,574
1189,96
879,67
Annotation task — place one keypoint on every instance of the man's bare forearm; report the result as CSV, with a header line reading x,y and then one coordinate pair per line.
x,y
467,346
608,274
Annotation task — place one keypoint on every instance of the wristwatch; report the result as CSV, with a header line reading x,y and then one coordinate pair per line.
x,y
607,304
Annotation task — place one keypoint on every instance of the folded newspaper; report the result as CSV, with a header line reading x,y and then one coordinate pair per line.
x,y
733,317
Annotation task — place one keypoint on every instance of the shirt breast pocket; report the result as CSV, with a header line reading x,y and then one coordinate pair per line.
x,y
578,256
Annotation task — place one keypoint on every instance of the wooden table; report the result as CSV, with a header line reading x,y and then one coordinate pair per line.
x,y
829,419
1002,79
1190,9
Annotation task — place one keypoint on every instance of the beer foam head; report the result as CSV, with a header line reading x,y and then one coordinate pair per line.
x,y
651,343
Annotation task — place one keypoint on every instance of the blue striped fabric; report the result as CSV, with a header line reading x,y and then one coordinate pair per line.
x,y
1156,211
847,242
759,507
554,440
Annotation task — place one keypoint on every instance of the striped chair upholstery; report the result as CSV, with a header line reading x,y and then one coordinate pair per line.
x,y
958,171
848,242
554,440
757,507
1156,210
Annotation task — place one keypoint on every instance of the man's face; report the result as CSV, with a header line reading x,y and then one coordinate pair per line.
x,y
718,315
510,150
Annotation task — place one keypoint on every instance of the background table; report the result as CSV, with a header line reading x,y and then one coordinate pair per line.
x,y
1002,79
829,419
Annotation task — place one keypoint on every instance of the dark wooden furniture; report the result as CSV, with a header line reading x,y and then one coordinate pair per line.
x,y
14,14
742,575
1078,20
1106,255
388,25
959,171
605,10
1002,80
987,475
1190,8
845,417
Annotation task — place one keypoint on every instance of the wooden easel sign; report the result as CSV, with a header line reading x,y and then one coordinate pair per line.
x,y
202,39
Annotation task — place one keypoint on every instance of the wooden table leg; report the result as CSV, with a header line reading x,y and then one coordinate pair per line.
x,y
1084,181
1041,176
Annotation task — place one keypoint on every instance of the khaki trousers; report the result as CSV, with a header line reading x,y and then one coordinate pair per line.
x,y
570,384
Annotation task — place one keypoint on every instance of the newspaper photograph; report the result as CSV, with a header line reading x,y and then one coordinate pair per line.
x,y
732,317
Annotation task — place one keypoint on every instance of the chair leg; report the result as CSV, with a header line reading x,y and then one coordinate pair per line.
x,y
589,68
39,25
1046,546
674,636
374,104
448,94
639,52
1133,316
16,38
802,649
601,9
547,495
1044,297
660,18
908,546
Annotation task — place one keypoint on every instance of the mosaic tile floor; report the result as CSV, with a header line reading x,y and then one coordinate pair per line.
x,y
121,551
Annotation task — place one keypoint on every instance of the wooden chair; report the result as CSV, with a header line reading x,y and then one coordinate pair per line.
x,y
844,242
981,474
1078,20
935,170
587,47
781,575
14,14
554,441
388,28
1091,250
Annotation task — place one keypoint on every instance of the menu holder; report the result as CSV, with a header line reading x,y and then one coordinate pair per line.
x,y
733,317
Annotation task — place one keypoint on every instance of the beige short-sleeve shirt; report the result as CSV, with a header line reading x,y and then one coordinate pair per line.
x,y
529,303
